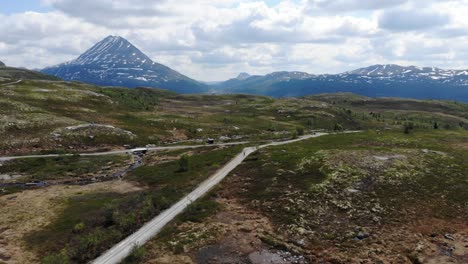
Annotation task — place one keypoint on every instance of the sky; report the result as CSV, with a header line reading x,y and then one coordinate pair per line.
x,y
214,40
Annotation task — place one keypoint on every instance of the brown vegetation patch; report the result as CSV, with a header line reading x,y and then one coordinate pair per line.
x,y
31,210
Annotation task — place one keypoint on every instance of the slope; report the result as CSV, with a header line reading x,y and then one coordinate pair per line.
x,y
114,61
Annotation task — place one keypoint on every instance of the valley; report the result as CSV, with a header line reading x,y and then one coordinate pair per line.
x,y
337,199
234,132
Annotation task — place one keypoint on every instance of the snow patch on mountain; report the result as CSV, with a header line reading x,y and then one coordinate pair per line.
x,y
116,62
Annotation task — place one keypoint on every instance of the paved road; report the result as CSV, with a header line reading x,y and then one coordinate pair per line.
x,y
15,82
150,229
113,152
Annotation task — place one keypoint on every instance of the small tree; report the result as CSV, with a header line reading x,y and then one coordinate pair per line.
x,y
338,127
300,131
408,127
294,134
184,163
436,125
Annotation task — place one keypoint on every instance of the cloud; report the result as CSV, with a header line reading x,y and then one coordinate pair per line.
x,y
258,23
351,5
216,39
407,20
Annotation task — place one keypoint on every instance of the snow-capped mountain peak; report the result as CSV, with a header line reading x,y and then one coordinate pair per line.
x,y
113,50
405,72
117,62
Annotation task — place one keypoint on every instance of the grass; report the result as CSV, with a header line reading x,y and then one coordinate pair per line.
x,y
176,239
10,190
200,210
136,256
303,186
169,174
435,184
92,223
40,169
33,110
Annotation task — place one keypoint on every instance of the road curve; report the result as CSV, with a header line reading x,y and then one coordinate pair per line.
x,y
113,152
15,82
117,253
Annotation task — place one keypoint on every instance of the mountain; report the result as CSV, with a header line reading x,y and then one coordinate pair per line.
x,y
11,73
243,76
260,84
114,61
374,81
413,73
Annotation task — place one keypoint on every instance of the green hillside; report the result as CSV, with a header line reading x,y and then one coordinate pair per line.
x,y
41,116
332,199
12,74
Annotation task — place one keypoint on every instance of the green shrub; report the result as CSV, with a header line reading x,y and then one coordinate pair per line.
x,y
199,210
60,258
78,228
338,127
136,256
294,134
184,163
300,131
408,127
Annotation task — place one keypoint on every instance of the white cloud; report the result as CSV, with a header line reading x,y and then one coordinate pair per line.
x,y
351,5
214,40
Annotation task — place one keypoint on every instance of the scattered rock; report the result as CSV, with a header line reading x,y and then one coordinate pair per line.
x,y
449,237
277,257
419,247
426,151
362,235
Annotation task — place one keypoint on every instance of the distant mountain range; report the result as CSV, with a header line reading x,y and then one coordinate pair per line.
x,y
116,62
373,81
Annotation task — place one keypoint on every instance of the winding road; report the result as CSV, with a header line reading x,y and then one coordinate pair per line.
x,y
114,152
117,253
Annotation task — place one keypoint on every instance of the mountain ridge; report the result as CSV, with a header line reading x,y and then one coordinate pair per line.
x,y
380,80
114,61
